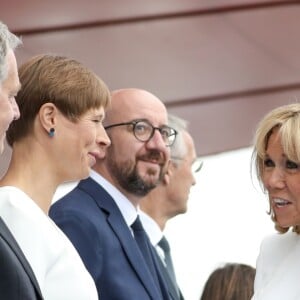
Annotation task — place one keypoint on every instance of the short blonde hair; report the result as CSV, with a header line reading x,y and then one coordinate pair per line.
x,y
65,82
287,120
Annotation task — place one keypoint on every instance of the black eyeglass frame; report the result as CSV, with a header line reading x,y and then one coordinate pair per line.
x,y
134,123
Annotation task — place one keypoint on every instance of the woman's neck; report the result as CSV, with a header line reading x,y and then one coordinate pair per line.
x,y
31,175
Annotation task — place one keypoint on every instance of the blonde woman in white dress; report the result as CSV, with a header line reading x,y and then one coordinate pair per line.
x,y
277,158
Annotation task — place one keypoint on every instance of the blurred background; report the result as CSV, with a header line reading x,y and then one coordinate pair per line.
x,y
220,64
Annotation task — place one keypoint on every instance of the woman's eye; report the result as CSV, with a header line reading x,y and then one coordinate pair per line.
x,y
98,120
291,165
268,163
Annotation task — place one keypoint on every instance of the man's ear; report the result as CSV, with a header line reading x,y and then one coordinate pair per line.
x,y
48,116
168,173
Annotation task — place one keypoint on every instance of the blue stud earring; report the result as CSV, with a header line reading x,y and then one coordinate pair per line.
x,y
51,132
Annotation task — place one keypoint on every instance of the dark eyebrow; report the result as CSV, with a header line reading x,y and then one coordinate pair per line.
x,y
140,120
146,120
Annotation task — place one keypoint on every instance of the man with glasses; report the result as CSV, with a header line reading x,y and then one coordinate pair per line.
x,y
101,215
170,198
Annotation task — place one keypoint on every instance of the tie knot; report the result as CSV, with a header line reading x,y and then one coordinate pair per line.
x,y
137,225
164,244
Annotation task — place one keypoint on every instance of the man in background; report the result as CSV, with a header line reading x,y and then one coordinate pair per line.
x,y
170,198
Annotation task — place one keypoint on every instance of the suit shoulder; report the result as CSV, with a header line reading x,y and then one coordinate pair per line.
x,y
76,200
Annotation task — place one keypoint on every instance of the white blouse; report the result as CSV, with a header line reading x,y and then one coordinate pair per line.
x,y
57,266
278,268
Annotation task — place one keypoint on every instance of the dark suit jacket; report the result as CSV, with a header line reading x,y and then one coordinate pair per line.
x,y
17,281
93,222
174,291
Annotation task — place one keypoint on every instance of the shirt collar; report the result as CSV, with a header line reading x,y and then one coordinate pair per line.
x,y
151,227
128,211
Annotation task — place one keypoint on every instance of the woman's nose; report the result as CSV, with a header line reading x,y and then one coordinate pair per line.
x,y
275,179
102,138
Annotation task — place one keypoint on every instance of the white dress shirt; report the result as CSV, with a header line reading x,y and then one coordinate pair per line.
x,y
56,264
128,211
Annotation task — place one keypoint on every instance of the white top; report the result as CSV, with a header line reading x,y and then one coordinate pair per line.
x,y
278,268
151,227
57,266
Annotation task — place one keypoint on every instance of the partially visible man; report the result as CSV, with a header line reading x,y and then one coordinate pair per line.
x,y
100,216
9,81
170,198
17,281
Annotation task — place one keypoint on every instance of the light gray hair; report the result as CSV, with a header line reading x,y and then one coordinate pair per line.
x,y
7,41
179,148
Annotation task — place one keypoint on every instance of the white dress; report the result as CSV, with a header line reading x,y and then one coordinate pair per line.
x,y
278,268
57,266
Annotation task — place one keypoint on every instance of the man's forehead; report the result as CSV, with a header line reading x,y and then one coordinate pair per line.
x,y
127,109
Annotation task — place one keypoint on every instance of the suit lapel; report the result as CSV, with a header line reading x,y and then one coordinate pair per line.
x,y
121,230
133,254
8,237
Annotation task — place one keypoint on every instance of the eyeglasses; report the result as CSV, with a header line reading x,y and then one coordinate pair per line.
x,y
196,165
144,131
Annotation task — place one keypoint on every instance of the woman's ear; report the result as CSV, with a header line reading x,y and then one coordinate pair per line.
x,y
48,116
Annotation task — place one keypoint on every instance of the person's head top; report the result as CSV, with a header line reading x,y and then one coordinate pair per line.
x,y
232,281
276,156
9,81
62,107
170,197
140,141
